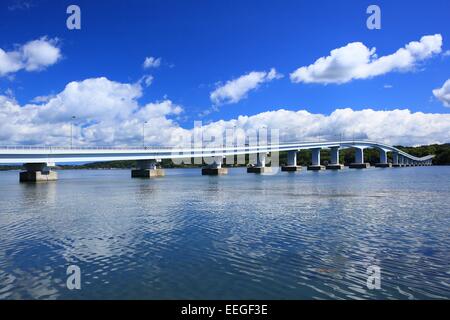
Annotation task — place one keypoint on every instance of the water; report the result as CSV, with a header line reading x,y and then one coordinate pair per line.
x,y
305,235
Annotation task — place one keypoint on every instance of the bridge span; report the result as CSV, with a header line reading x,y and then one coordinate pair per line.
x,y
39,160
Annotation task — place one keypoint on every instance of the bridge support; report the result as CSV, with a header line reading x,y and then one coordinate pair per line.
x,y
395,160
408,162
383,160
315,160
215,169
359,160
334,163
260,166
291,162
38,172
147,169
401,161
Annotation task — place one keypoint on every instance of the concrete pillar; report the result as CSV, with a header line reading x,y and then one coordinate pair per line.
x,y
147,169
359,155
334,152
292,158
359,160
215,168
38,172
383,160
291,162
260,166
334,157
315,160
402,162
395,162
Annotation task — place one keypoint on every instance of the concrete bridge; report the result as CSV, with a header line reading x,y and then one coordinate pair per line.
x,y
38,161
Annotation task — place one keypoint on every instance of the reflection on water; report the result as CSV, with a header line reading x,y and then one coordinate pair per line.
x,y
289,236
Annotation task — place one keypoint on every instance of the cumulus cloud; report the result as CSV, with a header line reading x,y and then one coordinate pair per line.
x,y
443,94
151,62
393,127
356,61
107,112
235,90
34,55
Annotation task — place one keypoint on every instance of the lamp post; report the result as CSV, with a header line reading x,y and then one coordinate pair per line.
x,y
143,134
71,131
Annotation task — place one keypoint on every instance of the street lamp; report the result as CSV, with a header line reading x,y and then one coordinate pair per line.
x,y
71,131
143,134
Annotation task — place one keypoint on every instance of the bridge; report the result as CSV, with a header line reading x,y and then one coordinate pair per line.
x,y
39,161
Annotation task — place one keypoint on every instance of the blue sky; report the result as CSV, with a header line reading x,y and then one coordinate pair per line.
x,y
204,44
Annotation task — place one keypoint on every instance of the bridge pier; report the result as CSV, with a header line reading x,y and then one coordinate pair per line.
x,y
315,160
334,164
408,162
147,169
395,160
291,162
260,166
401,161
215,169
38,172
359,160
383,160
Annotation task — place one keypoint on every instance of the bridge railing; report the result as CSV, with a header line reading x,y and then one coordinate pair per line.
x,y
160,147
280,146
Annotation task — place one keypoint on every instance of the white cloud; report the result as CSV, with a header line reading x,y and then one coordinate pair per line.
x,y
235,90
443,94
109,113
392,127
446,53
388,86
151,62
356,61
39,54
42,99
34,55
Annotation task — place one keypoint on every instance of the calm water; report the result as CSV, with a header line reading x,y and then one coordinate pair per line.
x,y
298,236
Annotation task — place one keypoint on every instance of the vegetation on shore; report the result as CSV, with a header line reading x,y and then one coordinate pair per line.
x,y
442,152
